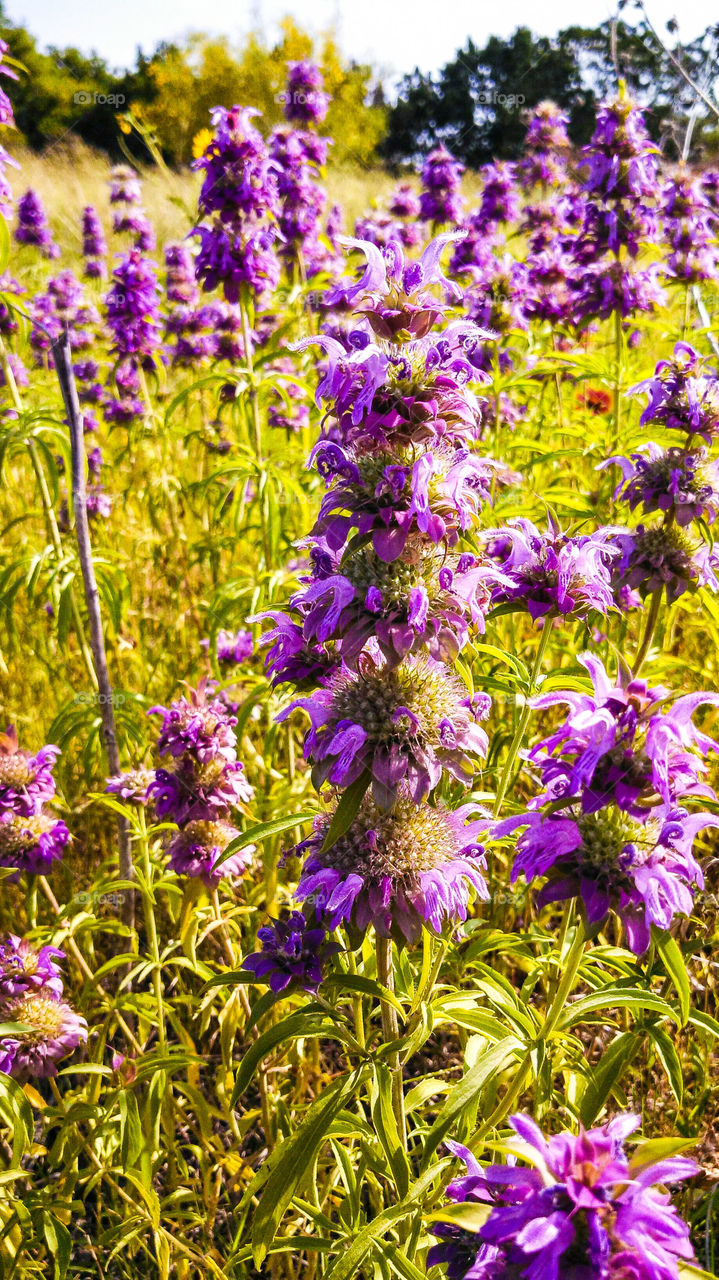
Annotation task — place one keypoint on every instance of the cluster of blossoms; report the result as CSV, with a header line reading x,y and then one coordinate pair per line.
x,y
32,225
583,1209
543,163
619,216
133,318
441,200
680,482
610,827
201,786
690,228
306,103
392,596
31,995
31,837
298,157
63,306
94,244
239,206
129,217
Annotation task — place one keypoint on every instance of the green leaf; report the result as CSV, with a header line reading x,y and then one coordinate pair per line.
x,y
386,1125
290,1028
292,1159
131,1140
347,809
614,997
489,1063
607,1073
346,1265
263,831
669,1058
673,962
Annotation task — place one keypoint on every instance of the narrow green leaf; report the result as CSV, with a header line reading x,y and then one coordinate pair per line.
x,y
607,1073
290,1028
386,1126
263,831
490,1063
292,1158
673,962
347,809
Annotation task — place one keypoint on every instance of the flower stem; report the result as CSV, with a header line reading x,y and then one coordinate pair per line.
x,y
256,425
618,372
390,1031
523,719
650,628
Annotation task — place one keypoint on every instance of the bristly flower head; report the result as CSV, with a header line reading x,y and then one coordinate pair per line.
x,y
240,181
24,967
627,744
670,480
32,225
643,872
197,848
584,1211
441,199
26,781
33,843
131,786
683,394
552,573
51,1031
413,866
133,306
292,954
663,557
401,725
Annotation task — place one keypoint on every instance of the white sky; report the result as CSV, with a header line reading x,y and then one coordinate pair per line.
x,y
395,35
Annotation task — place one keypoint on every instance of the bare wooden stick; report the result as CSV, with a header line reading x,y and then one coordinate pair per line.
x,y
62,358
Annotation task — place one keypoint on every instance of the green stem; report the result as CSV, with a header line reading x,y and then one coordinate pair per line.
x,y
618,372
390,1031
148,907
650,628
256,424
523,719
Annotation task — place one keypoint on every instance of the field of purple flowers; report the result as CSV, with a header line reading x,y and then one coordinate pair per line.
x,y
359,668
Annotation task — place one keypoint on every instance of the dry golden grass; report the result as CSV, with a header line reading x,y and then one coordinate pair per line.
x,y
70,175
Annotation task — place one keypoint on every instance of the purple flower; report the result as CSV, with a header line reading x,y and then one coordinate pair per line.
x,y
404,724
237,260
124,185
304,99
94,245
290,658
131,786
32,225
239,177
206,778
51,1031
133,306
682,395
670,480
643,872
584,1210
552,573
32,843
234,646
425,601
626,744
441,200
26,781
24,967
292,955
197,848
500,200
690,225
413,866
404,202
663,557
180,284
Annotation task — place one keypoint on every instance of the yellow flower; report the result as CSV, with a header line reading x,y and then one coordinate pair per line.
x,y
201,142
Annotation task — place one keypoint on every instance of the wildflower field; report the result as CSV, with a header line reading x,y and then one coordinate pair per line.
x,y
358,665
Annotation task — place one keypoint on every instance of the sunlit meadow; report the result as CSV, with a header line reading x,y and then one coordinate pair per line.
x,y
359,679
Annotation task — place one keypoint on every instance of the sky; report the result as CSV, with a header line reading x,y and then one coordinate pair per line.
x,y
394,35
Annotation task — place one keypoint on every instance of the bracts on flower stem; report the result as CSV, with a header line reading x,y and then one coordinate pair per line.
x,y
62,358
